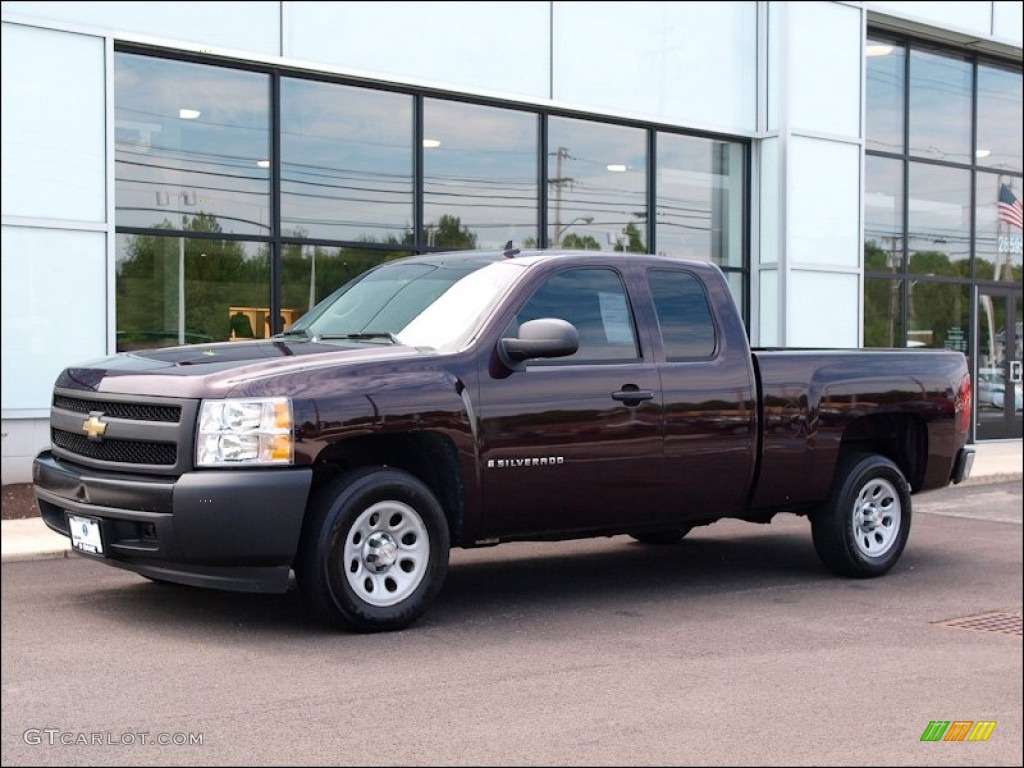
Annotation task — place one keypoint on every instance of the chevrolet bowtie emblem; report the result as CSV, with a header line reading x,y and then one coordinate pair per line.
x,y
94,427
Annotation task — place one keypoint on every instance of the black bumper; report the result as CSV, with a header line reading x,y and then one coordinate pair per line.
x,y
231,529
963,464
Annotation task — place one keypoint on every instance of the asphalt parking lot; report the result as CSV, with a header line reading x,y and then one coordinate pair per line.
x,y
732,648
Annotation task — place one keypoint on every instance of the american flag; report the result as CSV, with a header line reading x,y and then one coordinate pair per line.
x,y
1009,207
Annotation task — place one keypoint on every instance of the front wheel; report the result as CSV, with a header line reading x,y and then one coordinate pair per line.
x,y
862,529
374,551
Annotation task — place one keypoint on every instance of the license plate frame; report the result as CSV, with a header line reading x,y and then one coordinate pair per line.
x,y
86,534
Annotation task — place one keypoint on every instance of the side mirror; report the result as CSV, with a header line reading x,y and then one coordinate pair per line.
x,y
546,337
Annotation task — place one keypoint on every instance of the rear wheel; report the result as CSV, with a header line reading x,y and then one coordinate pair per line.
x,y
665,536
862,529
374,551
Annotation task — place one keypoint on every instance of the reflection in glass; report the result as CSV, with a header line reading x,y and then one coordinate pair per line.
x,y
479,175
346,162
939,220
1000,116
597,181
883,312
883,214
310,273
940,107
938,315
884,97
191,140
700,199
173,290
997,233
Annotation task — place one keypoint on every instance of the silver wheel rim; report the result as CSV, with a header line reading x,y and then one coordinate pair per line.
x,y
386,553
877,516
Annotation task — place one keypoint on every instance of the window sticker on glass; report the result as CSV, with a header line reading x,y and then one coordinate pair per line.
x,y
615,316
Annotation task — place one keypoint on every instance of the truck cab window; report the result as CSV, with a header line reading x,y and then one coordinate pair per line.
x,y
593,300
684,316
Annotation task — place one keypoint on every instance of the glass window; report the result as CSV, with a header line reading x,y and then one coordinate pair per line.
x,y
684,316
1000,116
346,162
883,214
939,220
597,186
940,106
883,312
997,222
700,199
479,175
184,290
938,315
310,273
886,65
191,140
594,301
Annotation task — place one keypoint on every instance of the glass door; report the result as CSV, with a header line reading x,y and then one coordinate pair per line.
x,y
997,391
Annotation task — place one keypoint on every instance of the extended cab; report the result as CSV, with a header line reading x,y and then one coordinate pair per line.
x,y
467,399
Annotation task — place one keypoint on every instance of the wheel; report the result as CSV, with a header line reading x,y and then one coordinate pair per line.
x,y
666,536
863,527
374,551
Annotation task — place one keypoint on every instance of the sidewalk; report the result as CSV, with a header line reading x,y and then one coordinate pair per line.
x,y
30,539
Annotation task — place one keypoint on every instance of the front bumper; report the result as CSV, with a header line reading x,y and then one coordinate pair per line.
x,y
226,529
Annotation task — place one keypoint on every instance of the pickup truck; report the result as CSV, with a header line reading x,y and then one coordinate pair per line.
x,y
467,399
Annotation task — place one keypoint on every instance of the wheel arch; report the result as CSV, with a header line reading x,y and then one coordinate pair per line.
x,y
431,457
900,437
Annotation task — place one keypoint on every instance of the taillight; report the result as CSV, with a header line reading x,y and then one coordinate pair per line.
x,y
963,403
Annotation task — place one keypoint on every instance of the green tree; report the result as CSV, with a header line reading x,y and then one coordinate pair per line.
x,y
572,241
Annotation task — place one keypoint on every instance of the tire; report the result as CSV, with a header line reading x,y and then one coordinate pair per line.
x,y
862,529
374,551
666,536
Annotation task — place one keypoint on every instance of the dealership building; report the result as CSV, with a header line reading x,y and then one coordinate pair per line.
x,y
197,172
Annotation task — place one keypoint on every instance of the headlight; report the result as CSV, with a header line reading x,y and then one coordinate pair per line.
x,y
245,431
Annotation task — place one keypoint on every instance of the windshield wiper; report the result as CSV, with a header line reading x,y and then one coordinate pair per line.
x,y
295,332
365,336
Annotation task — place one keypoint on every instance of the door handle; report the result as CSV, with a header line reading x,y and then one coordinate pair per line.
x,y
632,395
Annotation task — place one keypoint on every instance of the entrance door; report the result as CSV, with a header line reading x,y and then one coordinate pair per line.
x,y
997,391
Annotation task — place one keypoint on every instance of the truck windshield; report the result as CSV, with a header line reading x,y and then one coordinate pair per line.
x,y
437,306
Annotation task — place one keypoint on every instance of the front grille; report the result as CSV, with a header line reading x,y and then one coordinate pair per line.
x,y
119,410
120,451
132,433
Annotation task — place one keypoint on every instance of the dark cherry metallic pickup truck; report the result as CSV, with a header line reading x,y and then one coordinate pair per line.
x,y
467,399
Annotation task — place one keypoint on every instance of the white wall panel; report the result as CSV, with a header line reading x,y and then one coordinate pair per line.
x,y
1008,21
768,314
823,203
823,309
53,309
825,54
249,26
53,125
684,63
972,16
494,46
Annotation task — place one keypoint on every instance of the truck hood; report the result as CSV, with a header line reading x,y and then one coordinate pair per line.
x,y
203,370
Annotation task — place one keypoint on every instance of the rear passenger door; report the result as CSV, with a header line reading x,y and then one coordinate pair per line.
x,y
573,443
709,391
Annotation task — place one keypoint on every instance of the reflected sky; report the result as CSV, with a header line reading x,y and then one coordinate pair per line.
x,y
189,139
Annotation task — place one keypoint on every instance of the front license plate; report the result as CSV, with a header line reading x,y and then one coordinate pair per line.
x,y
85,534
